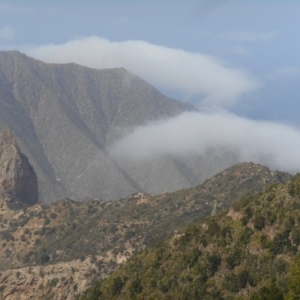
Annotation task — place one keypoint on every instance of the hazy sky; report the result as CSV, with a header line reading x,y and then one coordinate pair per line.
x,y
238,56
243,54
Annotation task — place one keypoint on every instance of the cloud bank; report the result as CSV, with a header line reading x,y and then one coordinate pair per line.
x,y
191,74
272,144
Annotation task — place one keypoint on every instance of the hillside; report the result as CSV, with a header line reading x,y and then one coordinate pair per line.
x,y
94,237
243,253
65,115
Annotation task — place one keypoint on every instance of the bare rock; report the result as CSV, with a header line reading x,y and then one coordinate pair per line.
x,y
17,177
61,281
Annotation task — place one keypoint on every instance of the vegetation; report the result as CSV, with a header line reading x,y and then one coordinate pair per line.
x,y
69,230
243,253
102,235
293,281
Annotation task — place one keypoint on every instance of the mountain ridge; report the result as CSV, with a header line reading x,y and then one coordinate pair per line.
x,y
64,116
97,236
243,253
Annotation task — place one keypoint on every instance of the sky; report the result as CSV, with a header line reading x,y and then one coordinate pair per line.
x,y
231,59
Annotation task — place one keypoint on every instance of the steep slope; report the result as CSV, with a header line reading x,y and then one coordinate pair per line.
x,y
64,117
101,235
243,253
18,181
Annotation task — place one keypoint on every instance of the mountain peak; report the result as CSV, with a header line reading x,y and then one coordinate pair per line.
x,y
65,115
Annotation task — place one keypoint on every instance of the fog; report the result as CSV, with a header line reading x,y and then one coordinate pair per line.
x,y
273,144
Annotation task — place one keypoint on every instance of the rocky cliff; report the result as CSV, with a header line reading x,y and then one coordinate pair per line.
x,y
62,281
17,177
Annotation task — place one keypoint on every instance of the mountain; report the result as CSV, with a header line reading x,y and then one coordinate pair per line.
x,y
65,246
243,253
64,117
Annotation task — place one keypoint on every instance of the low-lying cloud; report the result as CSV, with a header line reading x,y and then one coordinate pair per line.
x,y
191,74
272,144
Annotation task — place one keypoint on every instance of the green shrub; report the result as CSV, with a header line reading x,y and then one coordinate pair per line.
x,y
135,287
213,228
294,186
246,235
270,292
234,259
279,244
7,236
239,205
295,236
46,221
53,215
259,222
41,257
293,281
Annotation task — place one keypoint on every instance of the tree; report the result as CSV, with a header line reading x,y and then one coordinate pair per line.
x,y
293,283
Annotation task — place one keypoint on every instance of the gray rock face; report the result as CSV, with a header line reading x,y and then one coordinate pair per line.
x,y
64,116
17,177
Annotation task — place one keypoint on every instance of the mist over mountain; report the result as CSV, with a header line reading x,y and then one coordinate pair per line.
x,y
198,133
64,116
107,133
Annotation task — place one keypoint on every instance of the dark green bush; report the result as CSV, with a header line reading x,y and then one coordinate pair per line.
x,y
7,236
259,222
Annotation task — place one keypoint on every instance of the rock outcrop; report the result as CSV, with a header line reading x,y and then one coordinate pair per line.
x,y
62,281
17,177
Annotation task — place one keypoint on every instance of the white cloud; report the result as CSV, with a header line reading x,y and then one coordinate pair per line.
x,y
273,144
6,33
252,37
192,74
